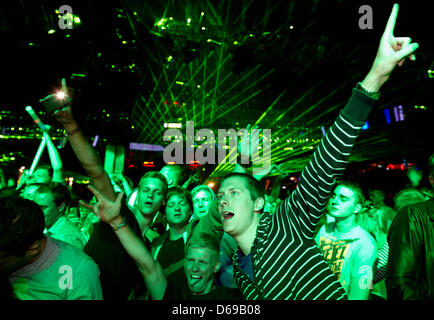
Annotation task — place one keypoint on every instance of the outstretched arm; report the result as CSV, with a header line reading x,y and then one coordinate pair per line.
x,y
194,178
109,212
328,163
84,152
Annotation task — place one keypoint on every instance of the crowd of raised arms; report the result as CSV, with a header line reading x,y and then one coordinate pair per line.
x,y
170,237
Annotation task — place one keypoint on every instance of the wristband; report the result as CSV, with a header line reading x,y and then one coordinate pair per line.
x,y
373,95
71,133
121,225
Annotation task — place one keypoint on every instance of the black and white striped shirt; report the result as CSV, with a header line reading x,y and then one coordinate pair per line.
x,y
382,267
287,265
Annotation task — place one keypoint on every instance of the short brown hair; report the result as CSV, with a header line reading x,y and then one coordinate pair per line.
x,y
378,216
356,188
181,192
203,187
59,192
254,186
155,175
205,240
21,224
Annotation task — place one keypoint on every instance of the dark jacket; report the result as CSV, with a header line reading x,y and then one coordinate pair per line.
x,y
411,254
119,275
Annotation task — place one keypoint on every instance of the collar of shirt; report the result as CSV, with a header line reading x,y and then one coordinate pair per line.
x,y
47,258
248,287
260,239
58,224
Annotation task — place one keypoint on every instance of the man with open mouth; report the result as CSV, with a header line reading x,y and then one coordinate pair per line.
x,y
203,196
145,203
201,263
168,249
285,263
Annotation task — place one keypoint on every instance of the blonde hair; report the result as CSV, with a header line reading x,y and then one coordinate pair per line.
x,y
155,175
205,240
203,187
370,214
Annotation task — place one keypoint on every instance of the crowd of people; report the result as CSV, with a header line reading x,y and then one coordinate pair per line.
x,y
173,238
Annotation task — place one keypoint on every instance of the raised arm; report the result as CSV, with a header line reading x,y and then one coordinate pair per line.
x,y
193,178
109,212
247,148
84,152
307,202
56,161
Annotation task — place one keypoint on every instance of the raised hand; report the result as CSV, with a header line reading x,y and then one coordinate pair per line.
x,y
249,143
65,117
107,210
194,178
392,51
58,100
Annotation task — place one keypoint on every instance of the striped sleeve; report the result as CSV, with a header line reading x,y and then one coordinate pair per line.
x,y
382,270
306,204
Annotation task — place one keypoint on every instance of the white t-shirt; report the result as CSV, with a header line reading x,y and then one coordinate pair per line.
x,y
66,231
350,254
62,272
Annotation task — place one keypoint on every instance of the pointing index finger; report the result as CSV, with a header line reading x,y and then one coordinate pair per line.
x,y
392,20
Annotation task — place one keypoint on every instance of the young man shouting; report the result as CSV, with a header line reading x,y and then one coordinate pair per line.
x,y
285,262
